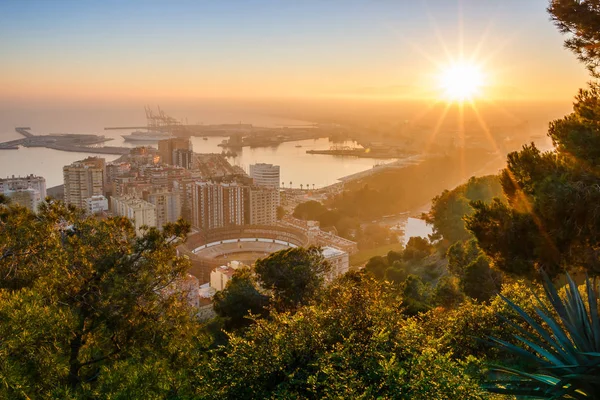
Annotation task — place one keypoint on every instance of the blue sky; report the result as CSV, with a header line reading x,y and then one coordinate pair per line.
x,y
111,49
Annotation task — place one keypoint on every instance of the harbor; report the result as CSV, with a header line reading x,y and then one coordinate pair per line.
x,y
64,142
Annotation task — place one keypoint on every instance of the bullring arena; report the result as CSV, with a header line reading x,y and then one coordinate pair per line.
x,y
210,249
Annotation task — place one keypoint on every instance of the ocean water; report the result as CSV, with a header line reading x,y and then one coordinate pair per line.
x,y
296,166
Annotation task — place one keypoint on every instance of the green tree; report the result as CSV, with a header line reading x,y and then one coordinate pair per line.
x,y
310,210
239,299
374,235
417,248
396,273
551,221
82,300
471,266
447,292
580,21
280,212
415,295
449,208
294,275
479,280
377,266
353,343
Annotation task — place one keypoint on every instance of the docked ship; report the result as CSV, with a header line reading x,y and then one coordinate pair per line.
x,y
142,136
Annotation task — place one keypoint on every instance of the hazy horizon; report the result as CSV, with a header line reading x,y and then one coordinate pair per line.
x,y
66,52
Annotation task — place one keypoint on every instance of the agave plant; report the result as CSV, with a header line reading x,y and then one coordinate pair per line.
x,y
565,352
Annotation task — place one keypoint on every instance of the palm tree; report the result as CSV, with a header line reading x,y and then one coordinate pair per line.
x,y
313,186
290,184
283,185
307,186
301,186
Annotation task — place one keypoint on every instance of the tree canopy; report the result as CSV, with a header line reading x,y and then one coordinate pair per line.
x,y
449,209
293,275
552,220
83,301
580,21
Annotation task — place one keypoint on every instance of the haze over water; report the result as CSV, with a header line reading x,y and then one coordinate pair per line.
x,y
296,166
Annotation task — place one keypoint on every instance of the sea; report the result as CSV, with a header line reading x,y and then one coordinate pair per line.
x,y
297,167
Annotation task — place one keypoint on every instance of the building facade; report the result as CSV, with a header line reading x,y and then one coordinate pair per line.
x,y
26,182
339,261
28,191
183,158
139,211
96,204
84,179
29,198
168,206
262,204
216,205
265,175
166,148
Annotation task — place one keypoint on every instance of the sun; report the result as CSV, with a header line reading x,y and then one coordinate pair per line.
x,y
461,81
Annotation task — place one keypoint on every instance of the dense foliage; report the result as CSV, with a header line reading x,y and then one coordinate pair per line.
x,y
449,208
240,299
353,343
86,306
294,276
551,220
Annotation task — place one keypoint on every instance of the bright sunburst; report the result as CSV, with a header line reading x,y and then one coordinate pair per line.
x,y
461,81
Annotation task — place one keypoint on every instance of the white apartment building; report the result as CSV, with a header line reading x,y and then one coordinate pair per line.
x,y
139,211
28,191
168,206
17,183
339,261
96,204
265,175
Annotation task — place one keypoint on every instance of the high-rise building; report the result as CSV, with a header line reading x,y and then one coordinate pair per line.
x,y
185,187
29,198
28,191
207,205
167,146
265,175
215,205
183,158
233,204
84,179
168,206
263,203
115,170
139,211
26,182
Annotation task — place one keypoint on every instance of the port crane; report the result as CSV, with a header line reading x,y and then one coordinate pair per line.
x,y
155,121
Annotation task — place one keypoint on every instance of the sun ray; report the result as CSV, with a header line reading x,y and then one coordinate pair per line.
x,y
438,35
437,127
484,127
